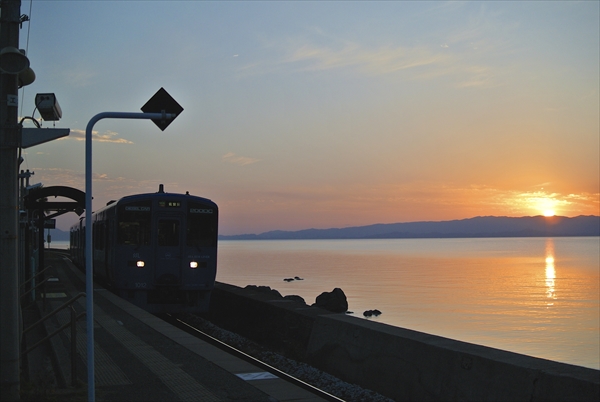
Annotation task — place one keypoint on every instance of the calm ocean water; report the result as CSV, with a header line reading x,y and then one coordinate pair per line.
x,y
536,296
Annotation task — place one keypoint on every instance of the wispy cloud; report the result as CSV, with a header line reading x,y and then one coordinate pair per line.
x,y
230,157
79,77
107,136
461,66
113,186
419,62
384,60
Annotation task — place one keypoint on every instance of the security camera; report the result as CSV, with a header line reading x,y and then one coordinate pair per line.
x,y
48,107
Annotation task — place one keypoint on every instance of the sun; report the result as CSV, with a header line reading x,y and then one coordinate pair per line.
x,y
544,204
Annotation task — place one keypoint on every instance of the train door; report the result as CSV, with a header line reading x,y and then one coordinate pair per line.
x,y
169,249
110,228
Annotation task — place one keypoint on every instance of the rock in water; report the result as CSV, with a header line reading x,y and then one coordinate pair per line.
x,y
334,301
371,313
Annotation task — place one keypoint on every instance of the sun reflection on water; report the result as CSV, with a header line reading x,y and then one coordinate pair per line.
x,y
550,272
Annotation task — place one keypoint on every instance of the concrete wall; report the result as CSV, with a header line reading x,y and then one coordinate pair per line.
x,y
409,365
281,324
399,363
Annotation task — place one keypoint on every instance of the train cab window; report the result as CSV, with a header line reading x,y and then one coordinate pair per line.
x,y
201,226
133,233
134,224
168,232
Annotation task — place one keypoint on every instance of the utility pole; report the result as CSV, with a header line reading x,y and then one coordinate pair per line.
x,y
10,19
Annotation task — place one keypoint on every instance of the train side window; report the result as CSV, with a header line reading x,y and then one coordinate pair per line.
x,y
168,232
99,234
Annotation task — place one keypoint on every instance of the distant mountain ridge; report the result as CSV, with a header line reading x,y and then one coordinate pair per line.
x,y
481,226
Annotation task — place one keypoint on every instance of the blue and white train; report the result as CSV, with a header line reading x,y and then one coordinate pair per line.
x,y
157,250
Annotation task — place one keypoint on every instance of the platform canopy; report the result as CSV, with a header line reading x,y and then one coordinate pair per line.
x,y
38,199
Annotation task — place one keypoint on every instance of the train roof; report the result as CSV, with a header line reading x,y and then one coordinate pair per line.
x,y
160,194
150,196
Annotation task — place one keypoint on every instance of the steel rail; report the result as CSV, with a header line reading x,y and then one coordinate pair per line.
x,y
251,359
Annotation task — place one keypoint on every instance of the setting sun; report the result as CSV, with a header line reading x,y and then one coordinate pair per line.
x,y
544,203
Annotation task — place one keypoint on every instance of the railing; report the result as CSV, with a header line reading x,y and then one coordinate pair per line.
x,y
72,324
42,283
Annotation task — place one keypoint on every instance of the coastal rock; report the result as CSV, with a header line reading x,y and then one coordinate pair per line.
x,y
372,313
334,301
288,279
295,298
265,289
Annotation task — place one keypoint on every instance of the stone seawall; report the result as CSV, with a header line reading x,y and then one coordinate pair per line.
x,y
283,325
399,363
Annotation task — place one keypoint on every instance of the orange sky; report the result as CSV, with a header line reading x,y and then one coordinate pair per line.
x,y
328,114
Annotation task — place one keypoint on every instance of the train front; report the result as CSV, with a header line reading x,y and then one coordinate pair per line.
x,y
168,243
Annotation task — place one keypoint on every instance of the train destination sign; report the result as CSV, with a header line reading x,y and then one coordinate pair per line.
x,y
200,211
169,204
137,208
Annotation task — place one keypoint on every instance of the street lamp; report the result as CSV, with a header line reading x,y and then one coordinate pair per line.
x,y
162,102
48,106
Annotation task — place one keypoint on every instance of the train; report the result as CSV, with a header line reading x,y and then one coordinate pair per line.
x,y
156,250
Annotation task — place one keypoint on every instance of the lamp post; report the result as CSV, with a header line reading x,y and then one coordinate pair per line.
x,y
89,269
13,63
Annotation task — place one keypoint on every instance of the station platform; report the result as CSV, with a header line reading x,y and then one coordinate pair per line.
x,y
139,357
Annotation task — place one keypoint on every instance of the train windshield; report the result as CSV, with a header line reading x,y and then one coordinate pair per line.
x,y
201,226
134,224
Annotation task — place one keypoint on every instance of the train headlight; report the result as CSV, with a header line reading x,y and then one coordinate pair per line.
x,y
193,264
140,264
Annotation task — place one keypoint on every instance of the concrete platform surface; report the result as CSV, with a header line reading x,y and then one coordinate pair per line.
x,y
139,357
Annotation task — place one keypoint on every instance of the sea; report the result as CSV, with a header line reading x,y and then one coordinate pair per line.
x,y
535,296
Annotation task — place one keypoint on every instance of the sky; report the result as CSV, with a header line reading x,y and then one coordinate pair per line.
x,y
324,114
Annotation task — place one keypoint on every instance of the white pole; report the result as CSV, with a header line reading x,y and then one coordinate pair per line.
x,y
89,270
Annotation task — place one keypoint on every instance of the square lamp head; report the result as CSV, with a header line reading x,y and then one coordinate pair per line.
x,y
48,107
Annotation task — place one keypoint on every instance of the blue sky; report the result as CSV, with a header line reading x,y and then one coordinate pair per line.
x,y
327,114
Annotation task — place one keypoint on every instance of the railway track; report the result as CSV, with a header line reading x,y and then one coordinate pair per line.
x,y
192,329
